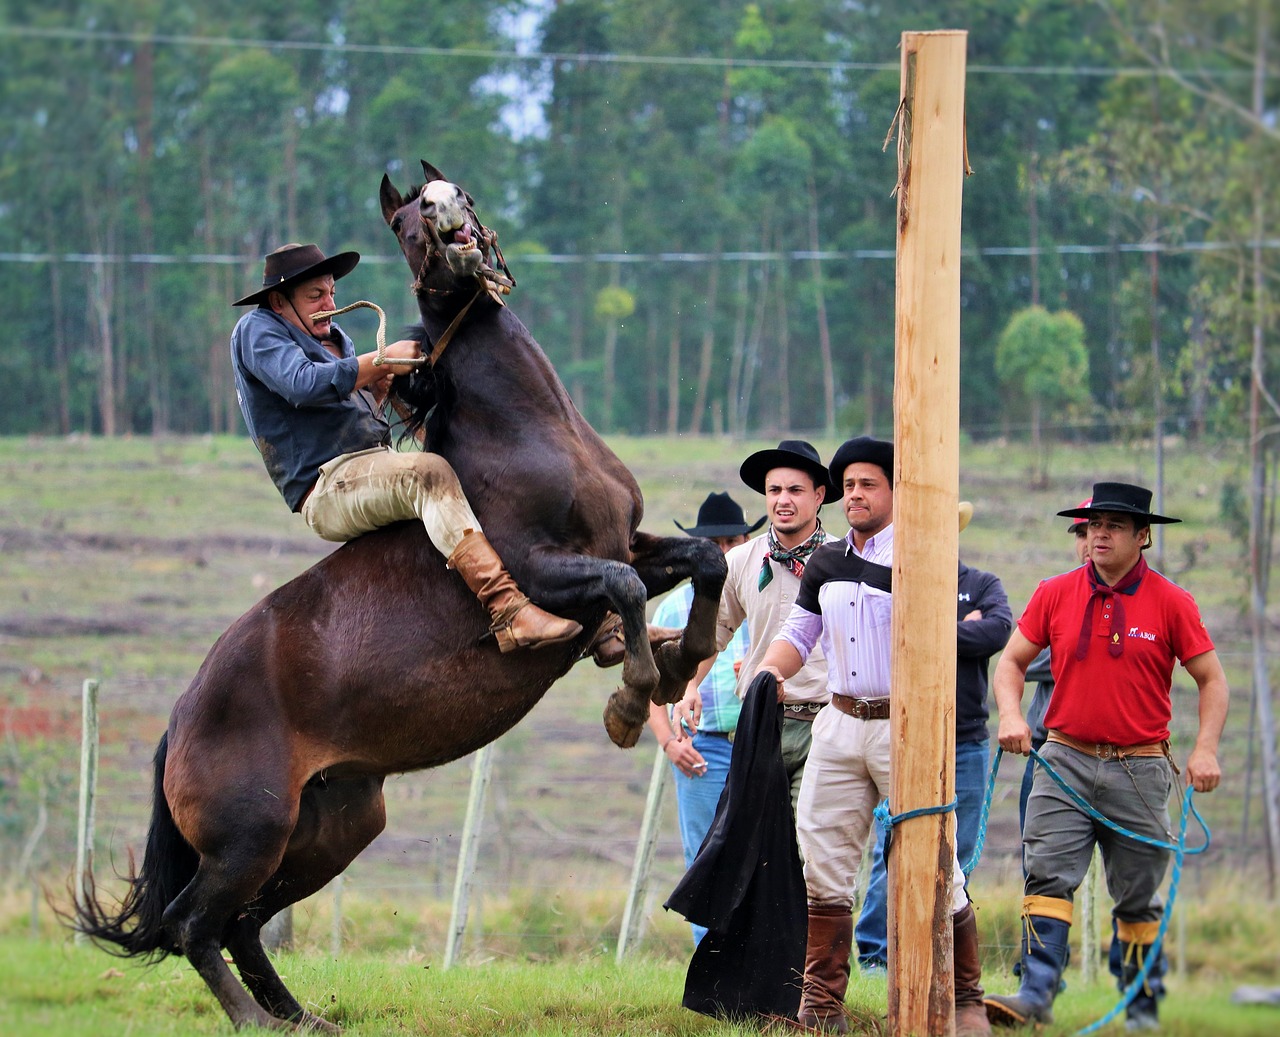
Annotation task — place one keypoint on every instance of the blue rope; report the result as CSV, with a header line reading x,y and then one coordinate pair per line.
x,y
1178,848
887,819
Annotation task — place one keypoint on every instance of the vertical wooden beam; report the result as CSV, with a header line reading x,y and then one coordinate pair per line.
x,y
88,794
634,914
464,879
931,166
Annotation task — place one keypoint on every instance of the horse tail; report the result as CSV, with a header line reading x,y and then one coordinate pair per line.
x,y
168,865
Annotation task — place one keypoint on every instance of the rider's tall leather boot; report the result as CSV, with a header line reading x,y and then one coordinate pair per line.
x,y
1136,940
826,968
971,1013
1046,925
517,622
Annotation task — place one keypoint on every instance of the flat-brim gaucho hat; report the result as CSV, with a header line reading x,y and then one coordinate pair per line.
x,y
721,516
1121,497
790,453
878,452
290,264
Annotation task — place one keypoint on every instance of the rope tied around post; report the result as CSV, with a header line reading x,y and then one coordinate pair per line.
x,y
886,819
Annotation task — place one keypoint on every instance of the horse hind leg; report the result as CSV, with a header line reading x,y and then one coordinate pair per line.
x,y
336,820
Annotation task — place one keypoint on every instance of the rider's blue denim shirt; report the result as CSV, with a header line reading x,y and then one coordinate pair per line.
x,y
299,400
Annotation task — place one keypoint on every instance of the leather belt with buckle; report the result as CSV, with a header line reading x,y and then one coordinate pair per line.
x,y
805,711
862,709
1105,751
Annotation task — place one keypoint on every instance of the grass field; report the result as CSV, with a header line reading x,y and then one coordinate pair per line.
x,y
125,560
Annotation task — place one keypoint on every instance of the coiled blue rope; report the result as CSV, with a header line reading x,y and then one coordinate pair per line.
x,y
1178,848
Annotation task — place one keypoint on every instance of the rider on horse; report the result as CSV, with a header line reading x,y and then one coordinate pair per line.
x,y
314,410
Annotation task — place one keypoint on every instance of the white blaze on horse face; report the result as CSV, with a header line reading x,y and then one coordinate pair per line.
x,y
447,199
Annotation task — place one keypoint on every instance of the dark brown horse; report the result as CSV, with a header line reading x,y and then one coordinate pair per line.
x,y
374,661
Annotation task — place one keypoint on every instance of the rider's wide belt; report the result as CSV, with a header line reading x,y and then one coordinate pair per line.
x,y
1105,751
862,709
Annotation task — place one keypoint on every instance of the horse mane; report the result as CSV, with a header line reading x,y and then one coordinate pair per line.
x,y
416,391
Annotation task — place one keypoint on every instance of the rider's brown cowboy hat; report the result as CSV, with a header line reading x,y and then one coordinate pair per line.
x,y
790,453
1121,497
721,516
289,264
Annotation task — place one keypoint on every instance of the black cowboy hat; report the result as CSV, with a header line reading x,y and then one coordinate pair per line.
x,y
289,264
721,516
862,448
790,453
1121,497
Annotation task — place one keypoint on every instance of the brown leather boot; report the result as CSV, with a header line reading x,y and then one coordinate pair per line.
x,y
826,968
971,1013
517,622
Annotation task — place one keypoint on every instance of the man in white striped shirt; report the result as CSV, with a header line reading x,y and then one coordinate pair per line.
x,y
845,605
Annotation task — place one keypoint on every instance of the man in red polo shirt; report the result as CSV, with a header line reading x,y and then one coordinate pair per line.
x,y
1114,628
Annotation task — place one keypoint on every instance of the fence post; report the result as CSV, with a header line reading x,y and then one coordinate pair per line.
x,y
633,915
335,931
1090,946
481,770
88,793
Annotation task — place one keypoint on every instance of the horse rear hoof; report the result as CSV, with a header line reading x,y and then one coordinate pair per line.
x,y
623,732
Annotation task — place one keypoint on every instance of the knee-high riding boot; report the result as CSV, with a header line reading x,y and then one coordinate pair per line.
x,y
971,1013
517,622
826,968
1046,925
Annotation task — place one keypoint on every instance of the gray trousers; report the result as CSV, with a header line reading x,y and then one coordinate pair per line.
x,y
1059,837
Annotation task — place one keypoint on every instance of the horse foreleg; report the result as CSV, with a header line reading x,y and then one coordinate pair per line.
x,y
580,580
663,562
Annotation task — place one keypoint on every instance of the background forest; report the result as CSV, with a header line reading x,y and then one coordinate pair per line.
x,y
694,199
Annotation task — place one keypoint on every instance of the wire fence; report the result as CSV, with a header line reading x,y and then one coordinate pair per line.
x,y
558,835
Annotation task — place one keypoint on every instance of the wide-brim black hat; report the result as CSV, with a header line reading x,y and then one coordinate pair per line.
x,y
861,448
721,516
1121,497
790,453
289,264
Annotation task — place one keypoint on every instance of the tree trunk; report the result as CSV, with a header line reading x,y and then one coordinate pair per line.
x,y
824,328
784,349
706,354
673,367
157,365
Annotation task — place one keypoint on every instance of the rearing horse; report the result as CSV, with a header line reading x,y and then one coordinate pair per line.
x,y
268,781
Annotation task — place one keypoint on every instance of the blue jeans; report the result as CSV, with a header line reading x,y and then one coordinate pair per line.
x,y
696,798
872,932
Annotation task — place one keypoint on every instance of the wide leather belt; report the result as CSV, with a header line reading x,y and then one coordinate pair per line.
x,y
862,709
805,711
1105,751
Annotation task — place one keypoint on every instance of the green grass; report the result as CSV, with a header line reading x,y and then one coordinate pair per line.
x,y
52,989
124,560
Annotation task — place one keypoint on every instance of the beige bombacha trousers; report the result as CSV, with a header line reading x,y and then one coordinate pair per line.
x,y
369,489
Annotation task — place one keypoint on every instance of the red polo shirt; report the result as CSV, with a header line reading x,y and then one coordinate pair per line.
x,y
1101,698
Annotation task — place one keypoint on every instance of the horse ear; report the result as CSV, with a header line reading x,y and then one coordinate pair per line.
x,y
390,198
430,171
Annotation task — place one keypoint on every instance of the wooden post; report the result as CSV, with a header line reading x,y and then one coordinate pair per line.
x,y
481,770
88,793
1090,946
633,915
931,167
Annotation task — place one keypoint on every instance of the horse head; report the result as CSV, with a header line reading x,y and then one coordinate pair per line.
x,y
442,238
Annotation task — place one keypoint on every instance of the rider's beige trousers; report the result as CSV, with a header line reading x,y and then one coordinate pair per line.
x,y
368,489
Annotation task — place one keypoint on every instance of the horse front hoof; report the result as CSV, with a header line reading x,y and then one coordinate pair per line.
x,y
623,729
314,1024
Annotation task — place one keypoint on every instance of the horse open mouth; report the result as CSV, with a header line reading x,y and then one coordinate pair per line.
x,y
463,253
